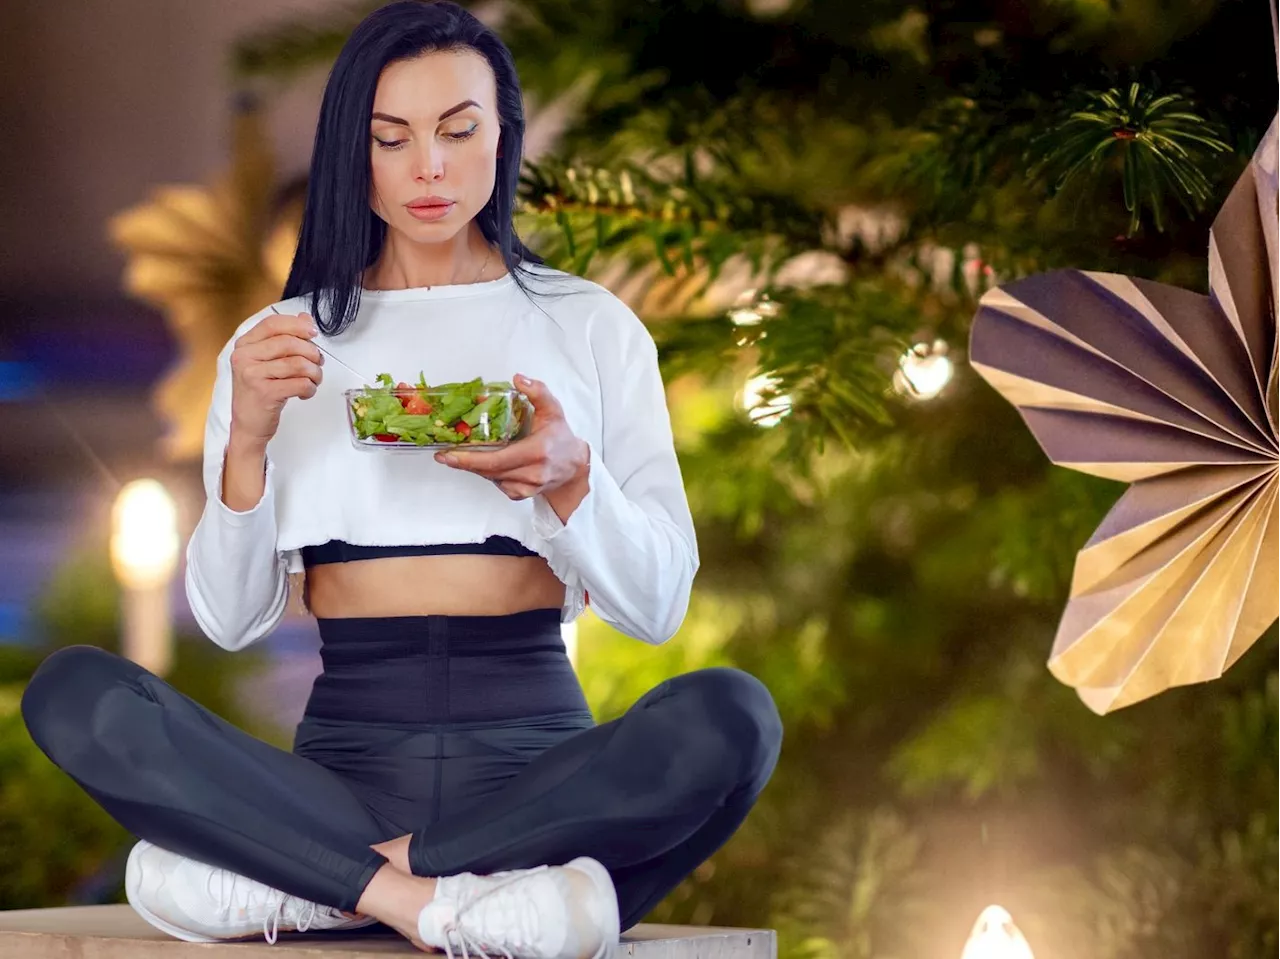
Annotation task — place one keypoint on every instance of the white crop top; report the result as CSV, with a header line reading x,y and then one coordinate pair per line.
x,y
630,544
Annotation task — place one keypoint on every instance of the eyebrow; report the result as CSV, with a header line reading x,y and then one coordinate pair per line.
x,y
444,116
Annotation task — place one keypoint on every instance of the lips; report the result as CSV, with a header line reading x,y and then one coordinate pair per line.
x,y
429,213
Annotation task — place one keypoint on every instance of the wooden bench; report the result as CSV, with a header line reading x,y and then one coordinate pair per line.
x,y
117,932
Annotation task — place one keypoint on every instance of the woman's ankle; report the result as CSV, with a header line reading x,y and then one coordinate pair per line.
x,y
394,897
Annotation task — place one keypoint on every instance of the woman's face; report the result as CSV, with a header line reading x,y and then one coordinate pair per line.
x,y
434,131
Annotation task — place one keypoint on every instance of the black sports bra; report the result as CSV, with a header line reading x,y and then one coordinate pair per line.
x,y
336,551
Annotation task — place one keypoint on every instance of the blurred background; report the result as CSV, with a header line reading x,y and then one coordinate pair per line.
x,y
804,200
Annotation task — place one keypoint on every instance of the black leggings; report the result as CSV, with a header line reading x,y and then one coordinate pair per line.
x,y
650,794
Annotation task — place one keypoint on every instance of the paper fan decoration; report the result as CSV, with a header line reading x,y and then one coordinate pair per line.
x,y
1175,393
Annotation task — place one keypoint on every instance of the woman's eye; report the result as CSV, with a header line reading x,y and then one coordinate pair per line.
x,y
397,144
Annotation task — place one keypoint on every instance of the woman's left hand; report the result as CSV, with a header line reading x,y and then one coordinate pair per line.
x,y
550,459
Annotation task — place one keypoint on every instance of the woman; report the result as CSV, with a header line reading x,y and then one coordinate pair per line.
x,y
447,779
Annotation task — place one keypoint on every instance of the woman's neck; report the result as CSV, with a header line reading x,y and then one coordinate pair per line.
x,y
403,265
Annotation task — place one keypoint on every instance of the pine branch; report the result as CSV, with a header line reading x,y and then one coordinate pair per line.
x,y
841,893
687,222
1160,142
824,358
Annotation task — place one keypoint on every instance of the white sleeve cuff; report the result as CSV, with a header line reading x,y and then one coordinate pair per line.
x,y
236,582
636,567
549,526
570,544
264,507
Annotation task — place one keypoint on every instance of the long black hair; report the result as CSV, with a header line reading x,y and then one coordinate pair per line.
x,y
340,234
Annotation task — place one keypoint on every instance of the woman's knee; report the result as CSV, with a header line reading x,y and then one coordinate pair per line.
x,y
65,686
737,710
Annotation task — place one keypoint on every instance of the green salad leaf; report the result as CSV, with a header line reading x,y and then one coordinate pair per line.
x,y
473,411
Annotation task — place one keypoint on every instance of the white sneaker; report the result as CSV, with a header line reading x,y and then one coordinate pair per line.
x,y
548,912
197,902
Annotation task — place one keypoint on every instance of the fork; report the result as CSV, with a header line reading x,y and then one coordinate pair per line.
x,y
363,379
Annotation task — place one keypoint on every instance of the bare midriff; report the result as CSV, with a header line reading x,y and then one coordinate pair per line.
x,y
451,585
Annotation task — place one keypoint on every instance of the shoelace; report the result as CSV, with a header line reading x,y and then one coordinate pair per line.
x,y
275,902
518,927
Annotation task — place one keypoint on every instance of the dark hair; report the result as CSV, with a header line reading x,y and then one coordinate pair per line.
x,y
340,234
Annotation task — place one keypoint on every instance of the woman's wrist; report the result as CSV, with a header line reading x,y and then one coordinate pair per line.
x,y
244,444
566,498
244,473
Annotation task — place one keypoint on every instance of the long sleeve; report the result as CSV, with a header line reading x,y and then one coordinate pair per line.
x,y
236,581
630,543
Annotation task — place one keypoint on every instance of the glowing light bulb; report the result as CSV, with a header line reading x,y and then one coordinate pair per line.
x,y
144,554
766,307
924,370
748,309
764,412
144,539
995,936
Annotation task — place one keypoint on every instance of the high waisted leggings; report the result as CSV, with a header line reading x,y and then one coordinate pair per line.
x,y
469,733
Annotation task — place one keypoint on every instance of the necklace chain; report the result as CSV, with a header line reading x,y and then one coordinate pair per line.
x,y
488,256
482,266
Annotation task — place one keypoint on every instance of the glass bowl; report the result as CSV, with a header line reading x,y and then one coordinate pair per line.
x,y
472,415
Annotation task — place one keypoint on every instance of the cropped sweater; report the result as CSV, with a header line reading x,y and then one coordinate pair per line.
x,y
629,544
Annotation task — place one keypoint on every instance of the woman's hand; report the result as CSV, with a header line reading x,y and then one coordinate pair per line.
x,y
551,460
271,363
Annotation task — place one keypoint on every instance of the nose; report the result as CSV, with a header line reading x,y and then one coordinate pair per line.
x,y
430,162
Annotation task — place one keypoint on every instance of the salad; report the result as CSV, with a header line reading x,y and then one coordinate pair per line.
x,y
452,413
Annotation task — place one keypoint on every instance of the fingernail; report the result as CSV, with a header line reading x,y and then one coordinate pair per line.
x,y
522,379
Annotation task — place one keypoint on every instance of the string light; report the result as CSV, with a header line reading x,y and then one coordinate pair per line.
x,y
766,307
762,402
748,309
995,936
924,370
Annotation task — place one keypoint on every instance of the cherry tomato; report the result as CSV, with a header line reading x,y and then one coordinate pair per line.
x,y
464,428
417,404
386,437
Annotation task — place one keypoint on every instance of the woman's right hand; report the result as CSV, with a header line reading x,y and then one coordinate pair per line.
x,y
271,363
